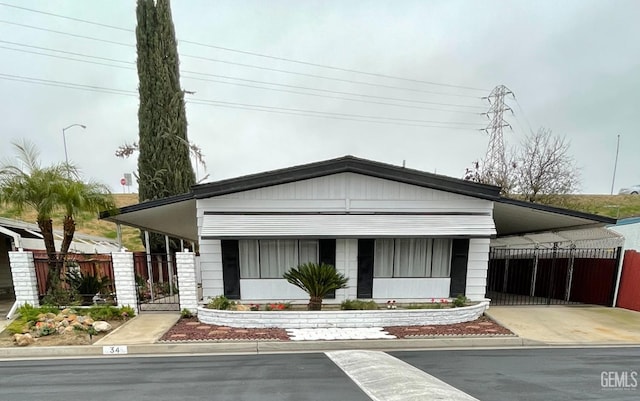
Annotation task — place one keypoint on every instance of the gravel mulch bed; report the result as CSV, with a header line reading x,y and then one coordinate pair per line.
x,y
480,327
190,330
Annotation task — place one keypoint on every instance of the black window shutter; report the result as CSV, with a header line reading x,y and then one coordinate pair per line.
x,y
327,255
459,259
366,254
231,268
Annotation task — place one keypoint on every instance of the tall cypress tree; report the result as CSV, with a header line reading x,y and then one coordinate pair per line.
x,y
164,166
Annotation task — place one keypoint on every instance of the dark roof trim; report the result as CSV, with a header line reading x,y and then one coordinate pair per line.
x,y
346,164
557,210
147,205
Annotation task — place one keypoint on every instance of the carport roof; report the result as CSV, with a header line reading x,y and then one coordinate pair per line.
x,y
176,215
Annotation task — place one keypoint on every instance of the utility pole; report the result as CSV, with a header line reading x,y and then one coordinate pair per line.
x,y
615,165
494,162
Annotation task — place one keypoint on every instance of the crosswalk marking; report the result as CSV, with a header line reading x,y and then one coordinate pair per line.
x,y
385,378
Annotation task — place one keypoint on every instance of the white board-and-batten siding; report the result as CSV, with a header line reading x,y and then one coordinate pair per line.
x,y
345,193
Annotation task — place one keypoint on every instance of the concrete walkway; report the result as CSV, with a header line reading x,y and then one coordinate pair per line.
x,y
570,324
145,328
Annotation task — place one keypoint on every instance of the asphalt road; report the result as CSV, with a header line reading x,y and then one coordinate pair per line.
x,y
295,377
521,374
535,374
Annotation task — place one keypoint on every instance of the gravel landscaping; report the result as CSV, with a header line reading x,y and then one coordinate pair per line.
x,y
189,330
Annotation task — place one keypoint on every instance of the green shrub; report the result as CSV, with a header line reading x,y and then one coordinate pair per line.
x,y
108,312
28,313
435,305
460,300
186,313
356,304
220,302
18,326
87,285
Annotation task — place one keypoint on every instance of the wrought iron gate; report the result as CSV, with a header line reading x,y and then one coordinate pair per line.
x,y
156,282
552,276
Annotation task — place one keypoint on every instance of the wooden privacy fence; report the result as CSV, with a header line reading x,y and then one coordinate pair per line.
x,y
94,264
629,290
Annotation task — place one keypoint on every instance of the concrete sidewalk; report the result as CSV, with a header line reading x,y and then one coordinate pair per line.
x,y
534,326
570,324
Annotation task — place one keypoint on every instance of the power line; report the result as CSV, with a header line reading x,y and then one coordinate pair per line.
x,y
246,85
244,64
113,42
67,17
257,81
258,54
325,77
336,114
330,117
68,85
280,110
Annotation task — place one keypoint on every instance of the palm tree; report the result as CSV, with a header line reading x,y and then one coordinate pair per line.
x,y
47,190
317,280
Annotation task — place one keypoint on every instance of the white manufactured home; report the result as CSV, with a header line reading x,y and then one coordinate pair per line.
x,y
396,233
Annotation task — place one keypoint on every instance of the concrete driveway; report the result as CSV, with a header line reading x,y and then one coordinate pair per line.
x,y
570,324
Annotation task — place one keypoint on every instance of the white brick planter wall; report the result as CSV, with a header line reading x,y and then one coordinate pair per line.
x,y
25,283
124,279
347,318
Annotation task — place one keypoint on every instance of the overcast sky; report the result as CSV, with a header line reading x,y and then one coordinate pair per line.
x,y
573,66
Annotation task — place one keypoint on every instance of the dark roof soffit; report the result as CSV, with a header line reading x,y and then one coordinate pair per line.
x,y
147,205
558,210
346,164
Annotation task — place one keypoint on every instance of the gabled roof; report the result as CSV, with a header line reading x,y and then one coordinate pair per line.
x,y
176,215
346,164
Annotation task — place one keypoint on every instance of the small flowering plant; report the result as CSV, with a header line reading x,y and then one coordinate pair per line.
x,y
278,306
254,307
391,304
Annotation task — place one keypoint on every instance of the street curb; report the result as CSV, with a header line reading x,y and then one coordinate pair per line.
x,y
268,347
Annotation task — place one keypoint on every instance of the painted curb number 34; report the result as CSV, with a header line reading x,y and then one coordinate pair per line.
x,y
114,350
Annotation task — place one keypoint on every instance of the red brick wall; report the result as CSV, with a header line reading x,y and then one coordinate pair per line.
x,y
629,291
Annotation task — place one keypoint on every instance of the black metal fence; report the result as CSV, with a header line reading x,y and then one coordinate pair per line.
x,y
552,276
156,282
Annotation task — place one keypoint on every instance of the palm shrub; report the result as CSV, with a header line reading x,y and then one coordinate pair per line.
x,y
317,280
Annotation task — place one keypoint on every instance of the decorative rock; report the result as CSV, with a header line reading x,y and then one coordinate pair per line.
x,y
100,326
59,318
65,311
69,330
88,321
22,340
42,317
72,317
50,315
244,308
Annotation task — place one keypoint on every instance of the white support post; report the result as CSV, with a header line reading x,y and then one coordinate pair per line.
x,y
125,280
25,282
186,269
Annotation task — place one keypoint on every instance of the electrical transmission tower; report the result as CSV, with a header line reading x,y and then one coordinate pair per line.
x,y
495,164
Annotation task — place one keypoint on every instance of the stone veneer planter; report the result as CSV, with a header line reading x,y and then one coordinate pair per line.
x,y
346,318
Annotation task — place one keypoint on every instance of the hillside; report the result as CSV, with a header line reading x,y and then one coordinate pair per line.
x,y
616,206
90,224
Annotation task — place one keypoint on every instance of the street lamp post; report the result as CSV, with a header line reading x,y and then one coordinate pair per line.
x,y
64,139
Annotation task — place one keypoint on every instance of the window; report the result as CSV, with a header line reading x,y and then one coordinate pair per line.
x,y
412,257
272,258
